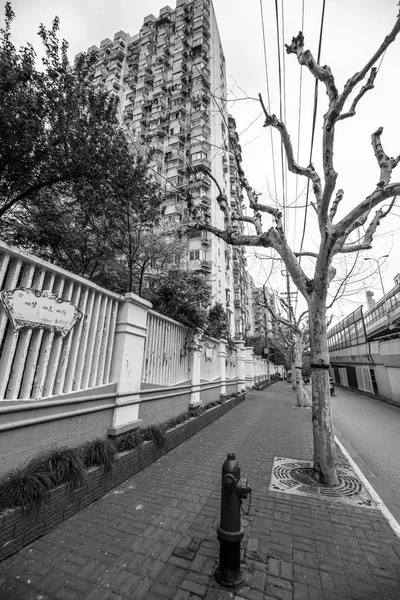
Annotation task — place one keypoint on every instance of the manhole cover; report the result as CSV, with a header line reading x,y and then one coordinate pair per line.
x,y
294,477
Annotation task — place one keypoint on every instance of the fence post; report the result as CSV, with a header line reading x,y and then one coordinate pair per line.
x,y
195,372
249,367
127,362
222,365
240,366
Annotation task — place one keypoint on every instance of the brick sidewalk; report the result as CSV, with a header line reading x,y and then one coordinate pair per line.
x,y
155,536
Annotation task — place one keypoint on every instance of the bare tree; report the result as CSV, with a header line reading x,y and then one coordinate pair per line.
x,y
333,234
296,340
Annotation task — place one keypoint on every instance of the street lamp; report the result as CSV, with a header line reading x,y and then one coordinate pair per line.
x,y
380,276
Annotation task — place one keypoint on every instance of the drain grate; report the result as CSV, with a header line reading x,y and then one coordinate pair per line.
x,y
285,478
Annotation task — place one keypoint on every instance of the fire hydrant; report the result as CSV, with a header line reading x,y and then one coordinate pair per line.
x,y
229,530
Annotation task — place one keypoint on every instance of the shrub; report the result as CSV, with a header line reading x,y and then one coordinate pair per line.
x,y
195,412
154,433
63,465
25,488
100,452
129,441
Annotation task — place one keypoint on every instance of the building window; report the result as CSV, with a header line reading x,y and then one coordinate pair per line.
x,y
194,255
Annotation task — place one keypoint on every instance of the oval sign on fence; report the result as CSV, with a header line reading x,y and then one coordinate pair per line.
x,y
40,309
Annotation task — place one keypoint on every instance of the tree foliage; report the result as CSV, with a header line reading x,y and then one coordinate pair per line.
x,y
182,295
60,134
218,323
72,189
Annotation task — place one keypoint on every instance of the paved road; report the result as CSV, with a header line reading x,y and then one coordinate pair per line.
x,y
372,429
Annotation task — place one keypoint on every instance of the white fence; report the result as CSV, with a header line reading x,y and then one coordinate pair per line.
x,y
37,363
166,358
121,365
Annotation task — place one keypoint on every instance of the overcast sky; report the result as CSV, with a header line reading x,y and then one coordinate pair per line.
x,y
353,30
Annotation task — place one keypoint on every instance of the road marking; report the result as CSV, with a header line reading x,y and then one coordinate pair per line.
x,y
377,499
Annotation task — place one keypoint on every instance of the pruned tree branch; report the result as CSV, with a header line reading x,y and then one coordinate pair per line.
x,y
357,77
305,58
366,244
335,204
385,163
309,172
368,86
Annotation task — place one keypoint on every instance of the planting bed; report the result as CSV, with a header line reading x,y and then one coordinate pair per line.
x,y
19,528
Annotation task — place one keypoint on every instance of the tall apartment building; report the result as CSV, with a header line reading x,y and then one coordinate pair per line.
x,y
171,81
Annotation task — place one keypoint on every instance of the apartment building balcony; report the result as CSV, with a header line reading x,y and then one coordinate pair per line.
x,y
161,133
202,201
117,53
175,153
206,266
200,45
149,81
202,132
200,9
200,112
187,14
163,19
199,84
202,236
205,202
143,87
201,28
201,163
201,178
159,88
162,101
201,96
175,166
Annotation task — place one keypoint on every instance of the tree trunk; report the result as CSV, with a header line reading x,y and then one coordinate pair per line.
x,y
301,395
324,441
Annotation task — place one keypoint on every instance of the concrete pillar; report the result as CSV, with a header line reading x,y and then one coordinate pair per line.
x,y
194,371
127,362
222,365
249,367
240,366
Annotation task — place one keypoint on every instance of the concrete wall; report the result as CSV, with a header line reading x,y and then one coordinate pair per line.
x,y
26,429
158,404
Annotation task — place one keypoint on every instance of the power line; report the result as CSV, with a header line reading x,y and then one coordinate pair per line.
x,y
268,98
280,110
313,123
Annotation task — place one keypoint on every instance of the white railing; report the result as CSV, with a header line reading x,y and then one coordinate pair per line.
x,y
37,363
166,352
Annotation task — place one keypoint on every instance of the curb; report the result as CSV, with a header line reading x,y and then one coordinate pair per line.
x,y
368,485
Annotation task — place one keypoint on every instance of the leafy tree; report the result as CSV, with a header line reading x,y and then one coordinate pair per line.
x,y
89,241
145,252
58,132
334,230
218,323
183,296
258,343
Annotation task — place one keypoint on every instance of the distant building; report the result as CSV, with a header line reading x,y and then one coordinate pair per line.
x,y
170,78
364,348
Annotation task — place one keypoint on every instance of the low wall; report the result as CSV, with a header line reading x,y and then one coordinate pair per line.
x,y
20,528
158,404
28,428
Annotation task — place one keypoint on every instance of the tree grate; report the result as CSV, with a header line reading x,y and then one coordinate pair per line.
x,y
292,476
